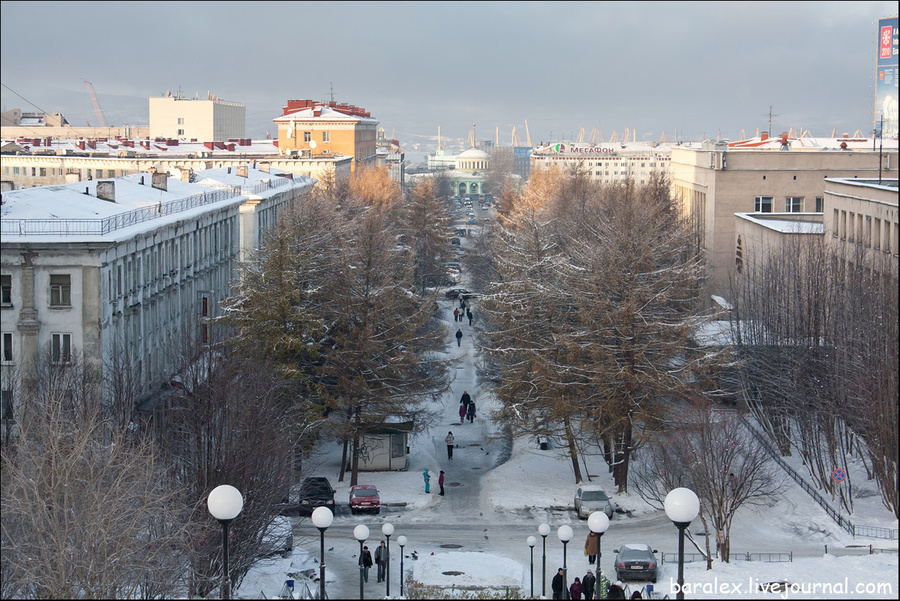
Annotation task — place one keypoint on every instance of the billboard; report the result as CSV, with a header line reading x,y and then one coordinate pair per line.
x,y
886,99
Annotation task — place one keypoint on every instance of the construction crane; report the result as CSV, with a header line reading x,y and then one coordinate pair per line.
x,y
595,136
515,142
96,104
581,136
664,137
527,134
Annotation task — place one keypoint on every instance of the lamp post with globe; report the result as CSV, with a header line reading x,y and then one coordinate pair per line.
x,y
682,506
225,503
531,543
598,523
544,530
565,535
361,533
321,519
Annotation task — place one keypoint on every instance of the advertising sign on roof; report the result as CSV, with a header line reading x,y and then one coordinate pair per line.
x,y
585,150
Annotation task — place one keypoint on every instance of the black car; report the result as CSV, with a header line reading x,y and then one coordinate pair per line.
x,y
636,562
316,491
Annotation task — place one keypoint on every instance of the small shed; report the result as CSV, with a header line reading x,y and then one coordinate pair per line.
x,y
385,447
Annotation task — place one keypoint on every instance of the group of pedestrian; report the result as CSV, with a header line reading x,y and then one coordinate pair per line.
x,y
584,587
466,408
381,558
459,314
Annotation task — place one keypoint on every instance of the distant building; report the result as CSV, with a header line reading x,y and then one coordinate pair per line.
x,y
208,120
41,128
763,175
308,129
25,164
607,163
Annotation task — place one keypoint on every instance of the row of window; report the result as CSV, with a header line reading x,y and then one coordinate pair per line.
x,y
792,204
53,171
326,136
60,348
869,231
60,290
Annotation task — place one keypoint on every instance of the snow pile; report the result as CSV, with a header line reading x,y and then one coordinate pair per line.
x,y
475,571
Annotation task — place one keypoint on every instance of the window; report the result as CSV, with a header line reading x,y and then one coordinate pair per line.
x,y
820,204
793,204
110,173
60,348
876,231
326,136
180,132
763,204
15,171
43,172
60,291
307,136
6,290
836,223
181,121
6,406
7,347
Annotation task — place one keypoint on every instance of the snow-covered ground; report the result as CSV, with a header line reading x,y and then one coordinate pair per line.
x,y
477,531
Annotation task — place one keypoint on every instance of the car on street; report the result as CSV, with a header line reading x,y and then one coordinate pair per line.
x,y
364,497
459,292
589,499
316,491
636,562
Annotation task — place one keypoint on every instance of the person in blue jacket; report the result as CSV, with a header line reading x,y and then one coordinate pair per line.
x,y
427,480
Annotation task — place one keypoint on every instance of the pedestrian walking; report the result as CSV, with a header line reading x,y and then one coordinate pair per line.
x,y
365,561
615,592
602,586
469,315
590,547
455,314
427,478
381,556
465,399
587,585
458,337
470,412
441,482
449,440
575,589
556,585
462,413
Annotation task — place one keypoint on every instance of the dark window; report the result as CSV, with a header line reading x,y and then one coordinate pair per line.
x,y
7,347
61,348
6,290
6,406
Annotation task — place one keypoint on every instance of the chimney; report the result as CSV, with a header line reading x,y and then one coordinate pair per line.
x,y
241,170
80,144
92,144
229,171
106,190
160,181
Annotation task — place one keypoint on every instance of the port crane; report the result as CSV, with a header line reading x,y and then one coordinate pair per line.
x,y
96,103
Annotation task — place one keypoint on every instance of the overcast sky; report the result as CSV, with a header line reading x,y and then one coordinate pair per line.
x,y
703,67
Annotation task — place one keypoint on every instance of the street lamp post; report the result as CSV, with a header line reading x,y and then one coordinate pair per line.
x,y
531,543
544,530
322,518
682,506
565,535
361,533
225,503
598,523
387,530
401,540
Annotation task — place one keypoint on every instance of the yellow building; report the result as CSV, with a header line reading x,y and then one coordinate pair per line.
x,y
308,128
208,120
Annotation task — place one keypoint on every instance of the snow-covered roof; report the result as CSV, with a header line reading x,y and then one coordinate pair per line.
x,y
73,212
785,223
256,183
326,113
141,148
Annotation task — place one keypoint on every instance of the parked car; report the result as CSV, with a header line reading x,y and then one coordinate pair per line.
x,y
278,538
589,499
316,491
364,497
636,562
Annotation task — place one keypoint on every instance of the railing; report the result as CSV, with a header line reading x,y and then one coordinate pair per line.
x,y
842,521
99,227
763,557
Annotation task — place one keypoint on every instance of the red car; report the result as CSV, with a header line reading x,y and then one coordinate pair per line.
x,y
364,497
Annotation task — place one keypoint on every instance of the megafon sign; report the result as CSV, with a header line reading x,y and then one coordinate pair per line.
x,y
572,149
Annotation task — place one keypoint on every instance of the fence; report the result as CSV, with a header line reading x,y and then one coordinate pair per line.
x,y
842,521
735,556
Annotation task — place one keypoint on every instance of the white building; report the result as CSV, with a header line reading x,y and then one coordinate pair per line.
x,y
211,119
119,270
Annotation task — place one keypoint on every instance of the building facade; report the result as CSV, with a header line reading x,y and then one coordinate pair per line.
x,y
308,128
208,120
120,273
26,166
762,175
608,163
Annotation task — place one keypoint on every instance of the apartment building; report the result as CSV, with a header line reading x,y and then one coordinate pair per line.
x,y
210,119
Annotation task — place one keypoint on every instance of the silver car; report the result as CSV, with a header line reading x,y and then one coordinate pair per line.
x,y
589,499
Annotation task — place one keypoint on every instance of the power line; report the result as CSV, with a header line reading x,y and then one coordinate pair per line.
x,y
23,98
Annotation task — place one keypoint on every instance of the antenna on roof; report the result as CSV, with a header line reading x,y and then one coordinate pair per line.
x,y
331,83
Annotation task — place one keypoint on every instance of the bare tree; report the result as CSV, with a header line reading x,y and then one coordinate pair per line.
x,y
423,225
88,510
708,449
